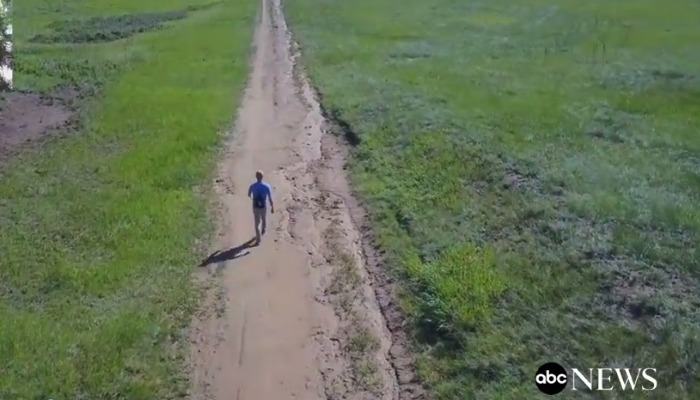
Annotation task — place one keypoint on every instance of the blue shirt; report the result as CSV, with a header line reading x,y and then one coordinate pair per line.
x,y
260,192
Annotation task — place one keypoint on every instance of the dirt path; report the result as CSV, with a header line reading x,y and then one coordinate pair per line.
x,y
293,318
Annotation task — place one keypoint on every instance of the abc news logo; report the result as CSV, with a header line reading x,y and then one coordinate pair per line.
x,y
552,379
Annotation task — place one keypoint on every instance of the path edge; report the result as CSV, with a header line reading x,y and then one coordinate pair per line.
x,y
337,141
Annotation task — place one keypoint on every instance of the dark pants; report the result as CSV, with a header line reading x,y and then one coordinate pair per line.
x,y
259,216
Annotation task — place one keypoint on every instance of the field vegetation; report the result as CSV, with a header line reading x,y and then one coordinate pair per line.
x,y
532,170
101,225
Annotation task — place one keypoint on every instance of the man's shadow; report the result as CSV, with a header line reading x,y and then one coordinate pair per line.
x,y
230,254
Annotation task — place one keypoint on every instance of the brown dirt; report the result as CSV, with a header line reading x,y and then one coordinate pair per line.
x,y
295,317
27,118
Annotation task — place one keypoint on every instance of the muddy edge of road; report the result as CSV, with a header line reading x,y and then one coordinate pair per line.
x,y
333,179
381,284
365,354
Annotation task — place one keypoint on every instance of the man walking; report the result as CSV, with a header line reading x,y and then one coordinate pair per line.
x,y
260,192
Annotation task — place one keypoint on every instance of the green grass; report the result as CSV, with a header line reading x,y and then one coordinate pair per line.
x,y
533,172
100,229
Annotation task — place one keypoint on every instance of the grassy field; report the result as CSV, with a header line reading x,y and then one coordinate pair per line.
x,y
99,227
533,172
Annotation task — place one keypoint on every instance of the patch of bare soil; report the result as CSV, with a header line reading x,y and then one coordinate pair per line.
x,y
297,316
27,118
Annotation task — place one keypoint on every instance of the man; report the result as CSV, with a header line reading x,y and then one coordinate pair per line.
x,y
260,192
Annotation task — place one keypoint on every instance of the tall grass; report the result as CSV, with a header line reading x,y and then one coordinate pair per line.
x,y
100,228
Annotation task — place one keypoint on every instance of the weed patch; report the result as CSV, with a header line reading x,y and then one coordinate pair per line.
x,y
345,291
361,347
457,291
111,28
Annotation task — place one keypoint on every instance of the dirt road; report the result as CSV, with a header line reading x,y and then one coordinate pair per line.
x,y
295,317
